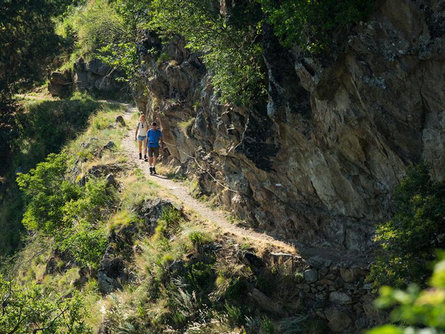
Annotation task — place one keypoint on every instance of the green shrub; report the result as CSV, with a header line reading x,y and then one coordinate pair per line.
x,y
91,27
267,326
311,24
46,192
408,241
71,214
199,239
27,308
201,276
415,310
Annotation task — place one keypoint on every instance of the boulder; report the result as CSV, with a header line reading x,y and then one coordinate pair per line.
x,y
338,297
60,84
310,275
338,320
349,275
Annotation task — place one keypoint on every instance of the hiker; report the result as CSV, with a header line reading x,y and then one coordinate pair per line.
x,y
140,135
154,137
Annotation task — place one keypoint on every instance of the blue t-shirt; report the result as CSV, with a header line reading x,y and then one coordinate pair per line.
x,y
153,137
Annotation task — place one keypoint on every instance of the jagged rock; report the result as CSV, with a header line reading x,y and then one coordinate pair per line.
x,y
101,170
338,297
120,120
97,78
338,320
111,272
254,261
151,211
337,133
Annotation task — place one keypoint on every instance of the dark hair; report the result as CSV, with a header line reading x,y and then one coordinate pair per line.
x,y
154,123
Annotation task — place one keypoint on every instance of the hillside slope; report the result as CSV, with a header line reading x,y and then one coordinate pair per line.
x,y
143,256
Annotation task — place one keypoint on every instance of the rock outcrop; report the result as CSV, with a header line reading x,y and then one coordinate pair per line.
x,y
319,162
94,77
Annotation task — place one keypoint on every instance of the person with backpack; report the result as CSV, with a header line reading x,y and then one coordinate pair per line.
x,y
140,135
154,138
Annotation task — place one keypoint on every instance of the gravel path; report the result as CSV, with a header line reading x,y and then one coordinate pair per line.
x,y
181,193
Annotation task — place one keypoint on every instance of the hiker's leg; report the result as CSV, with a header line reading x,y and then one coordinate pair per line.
x,y
155,155
140,145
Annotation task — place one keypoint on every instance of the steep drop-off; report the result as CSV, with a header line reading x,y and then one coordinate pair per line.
x,y
318,163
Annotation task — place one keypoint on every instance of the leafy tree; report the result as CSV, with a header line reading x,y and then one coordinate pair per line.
x,y
409,240
31,309
229,41
414,310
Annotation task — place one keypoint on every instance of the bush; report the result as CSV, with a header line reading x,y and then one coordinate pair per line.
x,y
30,309
91,27
311,24
415,310
408,241
71,214
46,191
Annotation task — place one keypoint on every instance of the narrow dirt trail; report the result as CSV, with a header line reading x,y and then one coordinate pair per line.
x,y
180,192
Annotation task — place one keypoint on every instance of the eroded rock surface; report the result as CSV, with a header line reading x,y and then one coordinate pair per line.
x,y
319,162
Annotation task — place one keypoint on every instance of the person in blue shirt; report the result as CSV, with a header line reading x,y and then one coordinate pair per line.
x,y
154,140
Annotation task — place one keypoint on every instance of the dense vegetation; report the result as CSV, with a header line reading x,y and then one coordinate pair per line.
x,y
71,214
42,127
32,309
27,44
415,310
408,242
182,279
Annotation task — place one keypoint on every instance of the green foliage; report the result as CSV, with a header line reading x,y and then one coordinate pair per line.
x,y
409,240
42,127
71,214
234,314
27,45
199,239
123,57
91,27
267,326
415,310
311,24
46,191
31,309
229,44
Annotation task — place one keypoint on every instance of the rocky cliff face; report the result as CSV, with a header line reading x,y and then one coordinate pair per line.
x,y
319,162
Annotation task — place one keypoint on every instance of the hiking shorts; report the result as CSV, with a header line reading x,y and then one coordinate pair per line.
x,y
141,138
153,152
